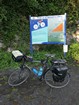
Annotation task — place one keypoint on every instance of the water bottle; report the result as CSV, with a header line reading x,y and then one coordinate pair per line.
x,y
40,71
35,71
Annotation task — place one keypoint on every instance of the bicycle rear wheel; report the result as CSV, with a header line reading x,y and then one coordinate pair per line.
x,y
18,76
49,80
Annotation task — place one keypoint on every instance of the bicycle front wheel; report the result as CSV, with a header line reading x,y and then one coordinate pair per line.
x,y
49,80
18,76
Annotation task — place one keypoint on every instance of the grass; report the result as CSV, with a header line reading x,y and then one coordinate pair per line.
x,y
6,61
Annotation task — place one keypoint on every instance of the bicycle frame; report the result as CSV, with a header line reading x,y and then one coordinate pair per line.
x,y
39,73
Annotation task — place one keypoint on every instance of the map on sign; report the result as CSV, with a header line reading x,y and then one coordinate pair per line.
x,y
55,29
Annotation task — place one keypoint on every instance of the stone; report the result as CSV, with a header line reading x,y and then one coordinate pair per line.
x,y
1,44
9,49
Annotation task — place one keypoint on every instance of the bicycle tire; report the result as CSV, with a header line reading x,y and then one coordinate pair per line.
x,y
18,76
50,82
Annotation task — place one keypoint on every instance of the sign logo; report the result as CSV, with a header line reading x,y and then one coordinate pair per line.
x,y
39,24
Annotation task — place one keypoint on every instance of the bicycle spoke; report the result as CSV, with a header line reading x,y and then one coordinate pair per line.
x,y
49,80
18,77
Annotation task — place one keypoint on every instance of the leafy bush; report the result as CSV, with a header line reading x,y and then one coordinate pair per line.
x,y
74,51
13,25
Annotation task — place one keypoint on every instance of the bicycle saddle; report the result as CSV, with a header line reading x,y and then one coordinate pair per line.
x,y
50,55
60,61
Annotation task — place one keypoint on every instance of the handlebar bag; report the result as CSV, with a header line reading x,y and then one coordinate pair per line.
x,y
17,55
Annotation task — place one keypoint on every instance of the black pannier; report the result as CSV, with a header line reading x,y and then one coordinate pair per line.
x,y
59,70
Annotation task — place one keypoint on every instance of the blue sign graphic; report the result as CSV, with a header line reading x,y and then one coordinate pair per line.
x,y
38,24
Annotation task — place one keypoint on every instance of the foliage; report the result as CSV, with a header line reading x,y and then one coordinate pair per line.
x,y
14,15
48,49
14,25
14,22
6,60
74,51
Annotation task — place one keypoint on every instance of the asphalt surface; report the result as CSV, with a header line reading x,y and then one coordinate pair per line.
x,y
35,92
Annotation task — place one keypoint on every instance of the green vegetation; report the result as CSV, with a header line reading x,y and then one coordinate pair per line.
x,y
6,61
14,26
74,52
14,15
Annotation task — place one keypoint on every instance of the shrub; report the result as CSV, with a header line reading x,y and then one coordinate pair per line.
x,y
74,51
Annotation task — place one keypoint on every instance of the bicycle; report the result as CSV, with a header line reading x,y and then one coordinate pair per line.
x,y
40,23
54,72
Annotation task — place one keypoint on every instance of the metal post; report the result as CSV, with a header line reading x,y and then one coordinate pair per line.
x,y
31,48
65,34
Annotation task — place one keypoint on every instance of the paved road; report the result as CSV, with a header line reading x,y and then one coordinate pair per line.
x,y
35,92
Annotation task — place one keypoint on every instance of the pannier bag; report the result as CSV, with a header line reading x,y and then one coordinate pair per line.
x,y
59,70
59,73
17,55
